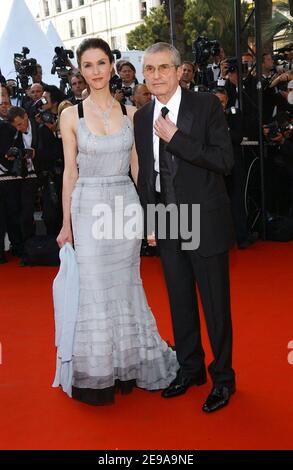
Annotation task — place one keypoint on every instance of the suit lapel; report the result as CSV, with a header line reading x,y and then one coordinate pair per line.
x,y
185,114
184,123
147,132
34,135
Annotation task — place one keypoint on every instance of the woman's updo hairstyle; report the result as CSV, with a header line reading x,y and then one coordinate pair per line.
x,y
93,43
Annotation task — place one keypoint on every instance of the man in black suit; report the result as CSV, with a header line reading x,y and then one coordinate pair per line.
x,y
9,188
25,139
182,160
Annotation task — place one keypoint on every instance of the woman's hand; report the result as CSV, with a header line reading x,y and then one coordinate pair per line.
x,y
151,240
65,236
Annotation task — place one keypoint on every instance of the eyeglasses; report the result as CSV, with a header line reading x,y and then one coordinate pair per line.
x,y
163,69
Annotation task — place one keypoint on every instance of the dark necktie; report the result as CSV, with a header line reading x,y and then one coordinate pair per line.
x,y
162,156
164,111
166,170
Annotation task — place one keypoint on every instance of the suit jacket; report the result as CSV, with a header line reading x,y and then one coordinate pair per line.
x,y
7,133
18,142
201,154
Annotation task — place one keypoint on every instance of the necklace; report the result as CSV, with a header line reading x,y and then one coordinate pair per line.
x,y
104,114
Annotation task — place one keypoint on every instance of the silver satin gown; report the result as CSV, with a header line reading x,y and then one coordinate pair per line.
x,y
117,344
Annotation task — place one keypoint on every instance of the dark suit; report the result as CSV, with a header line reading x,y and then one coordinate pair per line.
x,y
28,186
9,189
200,153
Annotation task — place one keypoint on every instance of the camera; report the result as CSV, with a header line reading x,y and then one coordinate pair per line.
x,y
127,91
60,61
47,117
24,66
281,125
62,66
232,64
40,103
116,85
203,49
281,58
19,167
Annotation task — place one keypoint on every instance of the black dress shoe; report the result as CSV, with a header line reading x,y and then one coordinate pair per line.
x,y
181,383
218,398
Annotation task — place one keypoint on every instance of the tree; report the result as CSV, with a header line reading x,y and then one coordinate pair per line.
x,y
211,18
279,21
155,28
215,19
179,11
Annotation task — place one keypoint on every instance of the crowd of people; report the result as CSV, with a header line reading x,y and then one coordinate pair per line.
x,y
31,151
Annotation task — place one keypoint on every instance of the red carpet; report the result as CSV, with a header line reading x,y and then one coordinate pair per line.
x,y
259,416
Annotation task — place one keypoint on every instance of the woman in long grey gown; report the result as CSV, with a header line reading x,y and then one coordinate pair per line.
x,y
117,344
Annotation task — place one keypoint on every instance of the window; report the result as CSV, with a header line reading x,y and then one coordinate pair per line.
x,y
83,25
114,42
46,7
81,3
71,29
58,6
143,9
69,4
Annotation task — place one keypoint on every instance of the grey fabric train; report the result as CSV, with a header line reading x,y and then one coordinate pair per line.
x,y
116,344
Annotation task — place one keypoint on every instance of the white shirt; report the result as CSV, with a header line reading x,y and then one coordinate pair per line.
x,y
27,142
216,71
173,106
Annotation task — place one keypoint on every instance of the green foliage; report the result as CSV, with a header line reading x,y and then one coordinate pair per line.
x,y
211,18
281,21
155,28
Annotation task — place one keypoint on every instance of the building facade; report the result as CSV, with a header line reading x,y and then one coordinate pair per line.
x,y
111,20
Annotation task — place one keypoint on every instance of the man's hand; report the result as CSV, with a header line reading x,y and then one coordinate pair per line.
x,y
165,128
278,138
223,69
10,157
119,95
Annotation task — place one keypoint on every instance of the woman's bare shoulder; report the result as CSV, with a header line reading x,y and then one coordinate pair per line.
x,y
69,118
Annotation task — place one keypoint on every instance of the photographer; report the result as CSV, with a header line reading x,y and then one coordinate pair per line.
x,y
279,134
35,93
127,74
9,189
235,182
219,58
51,171
37,77
12,89
4,91
273,100
231,84
77,84
54,97
23,156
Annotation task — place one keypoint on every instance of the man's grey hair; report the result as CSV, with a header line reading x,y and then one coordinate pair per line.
x,y
162,47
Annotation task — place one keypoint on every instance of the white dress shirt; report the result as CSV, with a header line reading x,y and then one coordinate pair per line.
x,y
27,142
173,106
216,71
